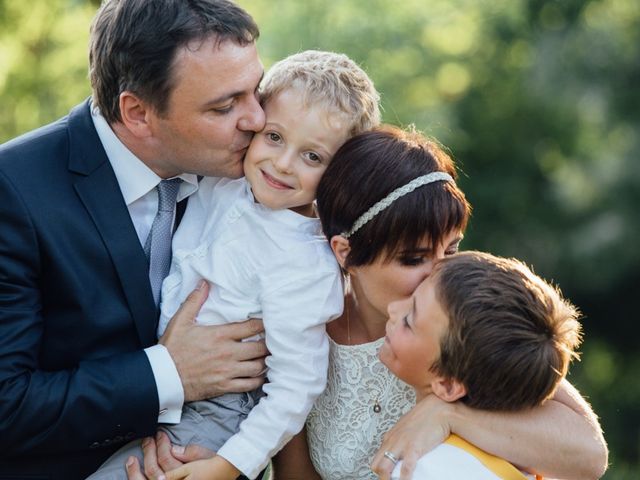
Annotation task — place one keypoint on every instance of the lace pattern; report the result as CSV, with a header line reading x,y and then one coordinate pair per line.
x,y
343,431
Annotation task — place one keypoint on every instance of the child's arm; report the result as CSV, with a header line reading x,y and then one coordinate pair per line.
x,y
295,309
216,468
293,461
560,439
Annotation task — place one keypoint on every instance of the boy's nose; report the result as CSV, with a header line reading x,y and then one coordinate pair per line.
x,y
393,310
283,163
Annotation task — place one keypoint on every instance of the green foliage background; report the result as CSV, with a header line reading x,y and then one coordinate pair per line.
x,y
537,100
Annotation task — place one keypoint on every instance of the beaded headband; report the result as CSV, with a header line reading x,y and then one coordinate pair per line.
x,y
393,196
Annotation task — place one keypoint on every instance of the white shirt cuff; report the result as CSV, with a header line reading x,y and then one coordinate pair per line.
x,y
170,391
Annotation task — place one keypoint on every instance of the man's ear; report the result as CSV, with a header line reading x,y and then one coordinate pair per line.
x,y
341,248
448,389
135,114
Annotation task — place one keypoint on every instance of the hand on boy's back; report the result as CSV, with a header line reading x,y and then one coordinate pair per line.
x,y
213,359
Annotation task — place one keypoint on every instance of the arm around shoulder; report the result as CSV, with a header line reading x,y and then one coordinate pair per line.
x,y
560,439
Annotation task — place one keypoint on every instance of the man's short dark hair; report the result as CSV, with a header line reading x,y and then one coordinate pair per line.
x,y
134,43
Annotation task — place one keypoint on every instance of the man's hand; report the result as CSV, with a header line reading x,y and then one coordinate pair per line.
x,y
160,456
420,430
212,359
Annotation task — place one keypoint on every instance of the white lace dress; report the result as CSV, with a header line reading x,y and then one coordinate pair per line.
x,y
343,430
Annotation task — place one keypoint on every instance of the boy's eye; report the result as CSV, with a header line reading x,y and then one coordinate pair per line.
x,y
313,157
274,137
405,321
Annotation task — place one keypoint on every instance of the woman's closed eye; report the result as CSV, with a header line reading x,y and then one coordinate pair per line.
x,y
412,260
454,247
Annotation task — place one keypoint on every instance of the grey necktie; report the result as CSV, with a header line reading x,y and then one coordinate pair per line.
x,y
158,244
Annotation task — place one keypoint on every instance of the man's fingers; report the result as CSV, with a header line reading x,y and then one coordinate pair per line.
x,y
166,459
251,350
192,452
151,467
245,329
133,469
252,368
244,384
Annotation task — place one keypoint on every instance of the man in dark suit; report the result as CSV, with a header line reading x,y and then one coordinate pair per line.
x,y
174,96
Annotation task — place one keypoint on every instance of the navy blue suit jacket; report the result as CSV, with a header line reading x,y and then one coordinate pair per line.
x,y
76,308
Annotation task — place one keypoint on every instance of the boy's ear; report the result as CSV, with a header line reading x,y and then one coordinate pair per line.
x,y
341,248
448,389
135,114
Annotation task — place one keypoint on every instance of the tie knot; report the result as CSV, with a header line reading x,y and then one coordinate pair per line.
x,y
167,194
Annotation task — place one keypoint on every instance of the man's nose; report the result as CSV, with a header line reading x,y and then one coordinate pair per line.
x,y
253,120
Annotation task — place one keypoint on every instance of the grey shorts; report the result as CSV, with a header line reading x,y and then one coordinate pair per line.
x,y
209,423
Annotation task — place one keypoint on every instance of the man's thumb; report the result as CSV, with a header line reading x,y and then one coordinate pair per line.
x,y
191,306
189,309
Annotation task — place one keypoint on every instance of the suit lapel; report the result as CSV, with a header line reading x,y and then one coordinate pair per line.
x,y
98,190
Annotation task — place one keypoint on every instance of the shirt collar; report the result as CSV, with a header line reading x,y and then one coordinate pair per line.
x,y
134,177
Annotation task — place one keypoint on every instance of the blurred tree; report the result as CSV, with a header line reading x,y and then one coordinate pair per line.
x,y
43,67
537,99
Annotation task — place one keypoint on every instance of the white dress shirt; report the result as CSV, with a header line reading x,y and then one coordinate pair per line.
x,y
138,186
273,264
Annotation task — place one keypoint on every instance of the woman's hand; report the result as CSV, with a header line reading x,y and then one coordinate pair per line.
x,y
559,439
420,430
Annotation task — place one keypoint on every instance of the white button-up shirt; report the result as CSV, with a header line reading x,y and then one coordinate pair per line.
x,y
273,264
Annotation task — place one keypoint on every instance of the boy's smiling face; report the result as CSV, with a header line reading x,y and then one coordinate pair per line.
x,y
414,330
286,159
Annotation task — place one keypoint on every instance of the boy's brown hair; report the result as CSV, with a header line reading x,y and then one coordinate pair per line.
x,y
511,335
